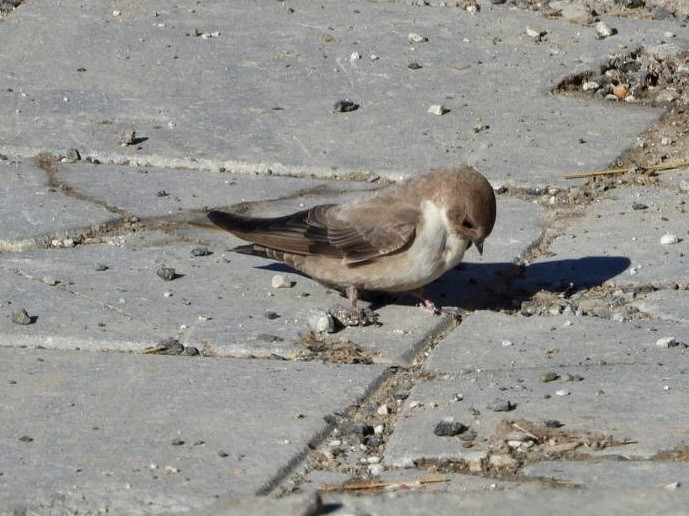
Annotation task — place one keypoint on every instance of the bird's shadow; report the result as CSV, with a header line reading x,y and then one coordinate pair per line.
x,y
502,285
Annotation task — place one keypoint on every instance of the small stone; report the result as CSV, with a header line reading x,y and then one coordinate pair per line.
x,y
127,138
190,351
116,13
72,156
667,342
281,281
562,392
100,267
638,206
437,109
177,442
497,2
167,294
170,469
25,439
321,321
355,56
449,428
590,86
383,410
620,91
201,251
553,423
21,317
350,316
374,470
536,35
684,185
604,30
417,38
507,343
272,315
414,65
49,280
344,106
166,273
549,377
501,406
669,239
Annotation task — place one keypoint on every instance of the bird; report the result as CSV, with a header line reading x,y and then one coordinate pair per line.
x,y
395,240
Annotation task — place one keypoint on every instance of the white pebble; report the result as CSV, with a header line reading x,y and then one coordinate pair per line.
x,y
383,410
590,86
373,459
374,57
603,29
669,239
116,13
280,281
562,392
355,56
437,109
321,321
49,280
507,343
666,387
417,38
666,342
167,294
376,469
378,429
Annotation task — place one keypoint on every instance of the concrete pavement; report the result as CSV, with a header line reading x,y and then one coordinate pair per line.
x,y
567,369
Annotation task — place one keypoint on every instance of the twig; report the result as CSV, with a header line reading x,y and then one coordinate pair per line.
x,y
622,170
378,485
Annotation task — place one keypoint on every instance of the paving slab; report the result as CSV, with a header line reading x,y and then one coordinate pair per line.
x,y
668,305
34,212
613,474
495,341
623,401
173,223
120,433
203,88
612,231
536,501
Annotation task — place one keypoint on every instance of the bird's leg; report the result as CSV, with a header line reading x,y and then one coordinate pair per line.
x,y
352,294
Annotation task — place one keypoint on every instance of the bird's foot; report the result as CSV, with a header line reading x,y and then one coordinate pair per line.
x,y
428,305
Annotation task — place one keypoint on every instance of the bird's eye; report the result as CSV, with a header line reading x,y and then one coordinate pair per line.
x,y
466,223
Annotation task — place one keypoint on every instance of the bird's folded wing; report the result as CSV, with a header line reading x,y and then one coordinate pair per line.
x,y
352,234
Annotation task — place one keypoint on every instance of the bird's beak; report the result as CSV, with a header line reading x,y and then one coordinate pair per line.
x,y
479,246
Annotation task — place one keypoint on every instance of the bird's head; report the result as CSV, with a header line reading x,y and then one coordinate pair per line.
x,y
474,210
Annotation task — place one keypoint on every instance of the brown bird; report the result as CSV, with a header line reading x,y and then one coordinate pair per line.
x,y
396,239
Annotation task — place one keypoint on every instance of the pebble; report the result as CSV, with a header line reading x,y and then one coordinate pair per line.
x,y
604,30
383,410
21,317
127,138
344,106
349,316
637,206
449,427
169,346
437,109
166,273
281,281
501,406
507,343
562,392
201,251
320,321
669,239
684,185
667,342
414,65
272,315
375,470
190,351
355,56
49,280
590,86
100,267
549,377
417,38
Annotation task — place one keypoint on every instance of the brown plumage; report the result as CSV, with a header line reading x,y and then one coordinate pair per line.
x,y
396,239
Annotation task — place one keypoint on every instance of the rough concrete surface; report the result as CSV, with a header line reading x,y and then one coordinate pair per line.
x,y
561,376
